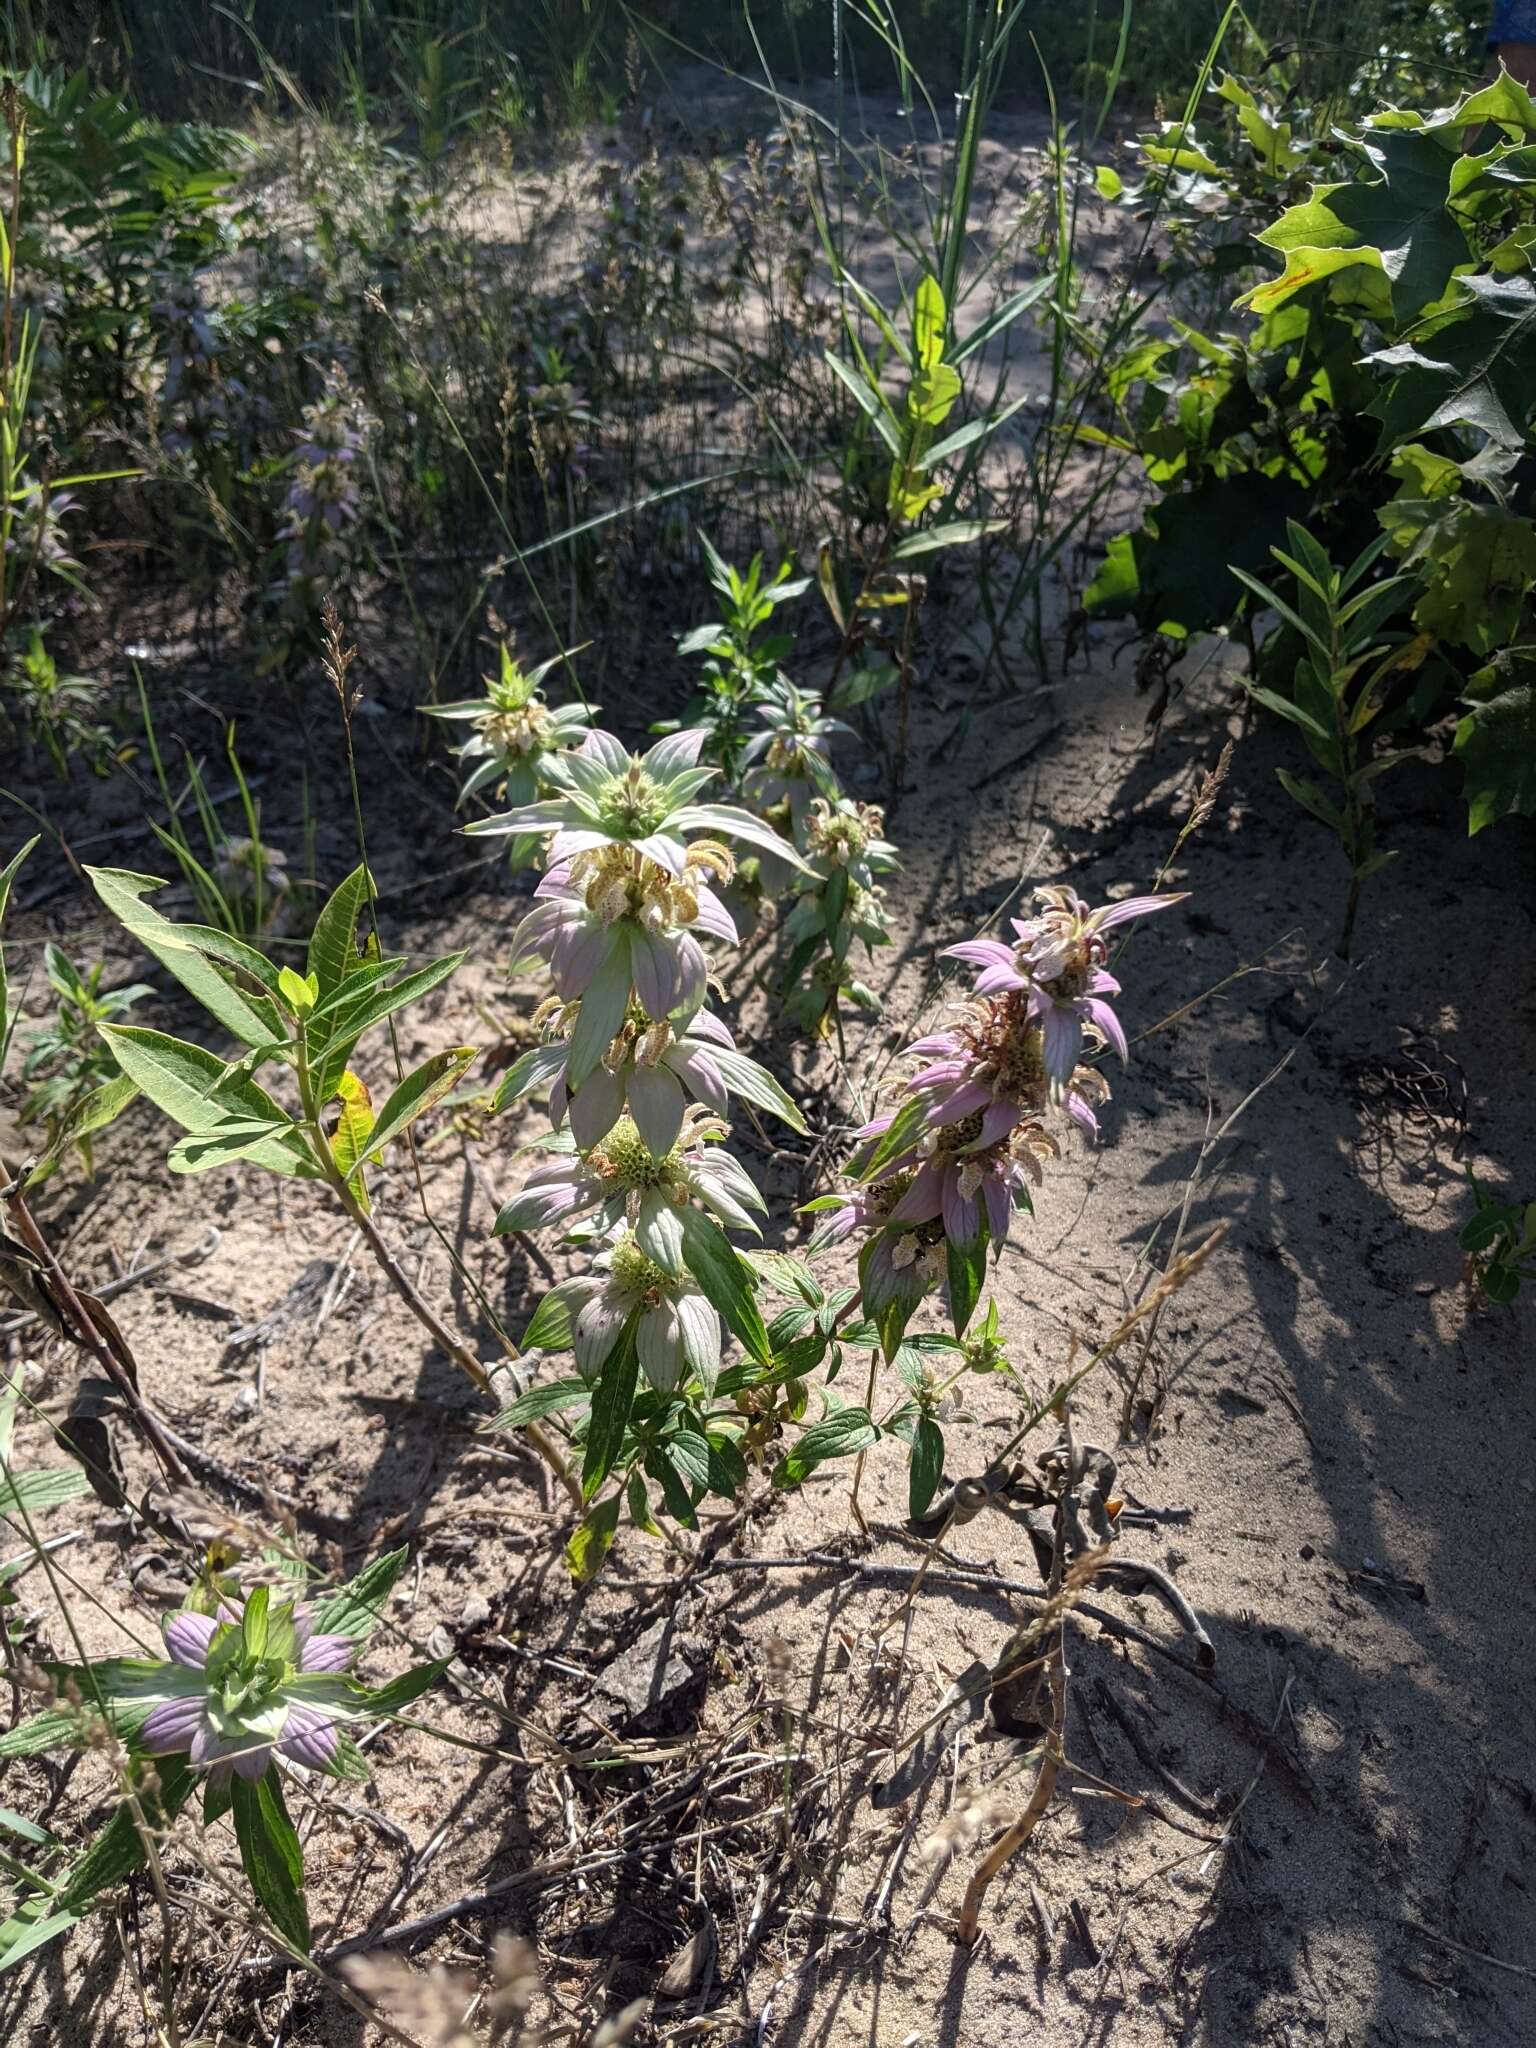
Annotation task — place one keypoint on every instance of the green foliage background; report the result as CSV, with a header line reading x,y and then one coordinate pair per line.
x,y
568,53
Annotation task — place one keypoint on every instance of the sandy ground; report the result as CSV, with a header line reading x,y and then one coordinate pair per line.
x,y
1336,1477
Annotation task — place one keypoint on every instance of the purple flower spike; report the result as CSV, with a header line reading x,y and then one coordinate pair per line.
x,y
975,1109
251,1704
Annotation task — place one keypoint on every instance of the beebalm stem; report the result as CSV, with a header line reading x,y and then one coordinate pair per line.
x,y
453,1347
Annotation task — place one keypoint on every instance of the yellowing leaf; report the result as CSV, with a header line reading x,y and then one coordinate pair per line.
x,y
349,1140
930,324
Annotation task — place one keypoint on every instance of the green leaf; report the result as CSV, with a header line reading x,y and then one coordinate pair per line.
x,y
836,1436
332,945
1496,741
26,1830
183,951
612,1399
355,1609
930,323
418,1093
927,1467
726,1281
352,1021
1286,707
350,1140
1478,371
25,1931
869,400
754,1084
593,1539
550,1329
195,1089
271,1856
1400,223
956,534
1003,316
103,1106
28,1493
199,1151
550,1399
1311,798
297,991
118,1850
404,1690
7,877
967,1265
51,1729
1173,573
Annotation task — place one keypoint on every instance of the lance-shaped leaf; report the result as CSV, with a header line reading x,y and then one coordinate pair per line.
x,y
350,1141
184,952
840,1435
736,824
419,1092
725,1280
271,1856
103,1106
593,1539
27,1493
118,1850
332,945
927,1467
612,1399
967,1271
552,1398
754,1084
196,1090
331,1052
355,1608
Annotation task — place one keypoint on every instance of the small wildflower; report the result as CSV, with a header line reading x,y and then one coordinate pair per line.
x,y
240,1692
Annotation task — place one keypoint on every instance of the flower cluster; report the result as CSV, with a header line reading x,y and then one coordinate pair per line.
x,y
634,1064
677,1331
1057,963
516,740
323,502
626,1180
839,899
788,764
237,1690
197,399
939,1176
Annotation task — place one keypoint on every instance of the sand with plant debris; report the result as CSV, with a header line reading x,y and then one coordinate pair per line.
x,y
1341,1428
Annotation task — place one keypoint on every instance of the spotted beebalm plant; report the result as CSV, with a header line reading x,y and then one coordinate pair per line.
x,y
257,1685
516,740
636,1176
